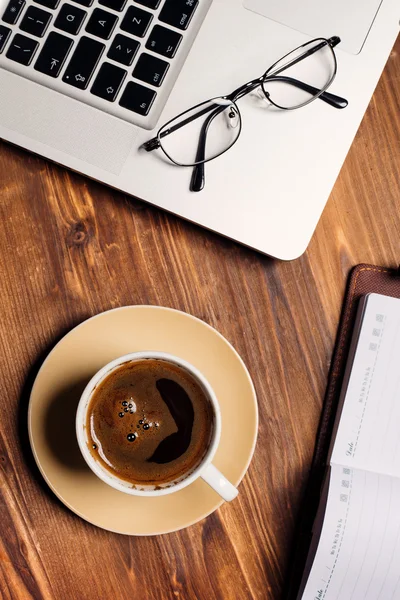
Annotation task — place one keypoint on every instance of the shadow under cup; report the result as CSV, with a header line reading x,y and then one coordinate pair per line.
x,y
195,470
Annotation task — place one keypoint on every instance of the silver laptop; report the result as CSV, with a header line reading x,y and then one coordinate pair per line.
x,y
89,83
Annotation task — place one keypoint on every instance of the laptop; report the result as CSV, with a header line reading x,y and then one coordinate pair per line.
x,y
86,83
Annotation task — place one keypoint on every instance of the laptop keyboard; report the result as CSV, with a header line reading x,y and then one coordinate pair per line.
x,y
121,56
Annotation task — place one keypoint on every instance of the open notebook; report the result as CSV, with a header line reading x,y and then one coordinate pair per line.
x,y
355,553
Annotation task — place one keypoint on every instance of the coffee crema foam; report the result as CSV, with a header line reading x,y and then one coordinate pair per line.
x,y
149,422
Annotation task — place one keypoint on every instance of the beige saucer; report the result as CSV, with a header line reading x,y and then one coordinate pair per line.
x,y
67,370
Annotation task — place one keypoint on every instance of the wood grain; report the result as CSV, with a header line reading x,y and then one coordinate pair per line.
x,y
71,248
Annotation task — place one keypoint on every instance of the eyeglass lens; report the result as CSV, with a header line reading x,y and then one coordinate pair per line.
x,y
301,75
202,133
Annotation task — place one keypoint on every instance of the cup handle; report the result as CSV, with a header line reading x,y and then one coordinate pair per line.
x,y
219,483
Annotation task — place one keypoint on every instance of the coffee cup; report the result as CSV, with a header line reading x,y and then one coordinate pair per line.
x,y
203,467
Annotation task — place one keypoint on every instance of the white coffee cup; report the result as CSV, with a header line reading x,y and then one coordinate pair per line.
x,y
205,469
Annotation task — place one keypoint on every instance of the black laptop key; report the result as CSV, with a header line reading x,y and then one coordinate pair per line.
x,y
150,69
123,49
149,3
178,13
108,82
117,5
53,54
164,41
83,63
101,23
84,2
13,11
137,98
136,21
5,33
49,3
70,19
22,49
35,21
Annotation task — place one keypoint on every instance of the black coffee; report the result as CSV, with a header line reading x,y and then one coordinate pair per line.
x,y
149,422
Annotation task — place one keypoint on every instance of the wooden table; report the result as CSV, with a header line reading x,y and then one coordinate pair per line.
x,y
71,248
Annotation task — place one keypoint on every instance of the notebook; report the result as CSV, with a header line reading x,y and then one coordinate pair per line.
x,y
355,551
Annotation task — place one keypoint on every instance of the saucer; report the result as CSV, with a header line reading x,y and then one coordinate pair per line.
x,y
65,373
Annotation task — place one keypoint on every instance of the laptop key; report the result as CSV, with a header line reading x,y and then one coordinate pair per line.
x,y
22,49
178,13
49,3
108,82
164,41
151,69
5,33
136,21
83,63
123,49
137,98
117,5
53,54
70,19
149,3
13,11
101,23
84,2
35,21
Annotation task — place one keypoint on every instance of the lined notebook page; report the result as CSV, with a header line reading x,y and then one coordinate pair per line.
x,y
358,555
369,431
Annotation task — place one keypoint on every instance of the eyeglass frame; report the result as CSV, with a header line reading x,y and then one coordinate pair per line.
x,y
198,177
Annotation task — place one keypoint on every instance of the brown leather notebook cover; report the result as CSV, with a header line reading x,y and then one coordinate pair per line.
x,y
364,279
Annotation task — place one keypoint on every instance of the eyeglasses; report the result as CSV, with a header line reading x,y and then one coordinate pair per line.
x,y
209,129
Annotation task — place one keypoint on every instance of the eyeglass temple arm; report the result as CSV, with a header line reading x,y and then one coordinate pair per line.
x,y
198,180
332,42
331,99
